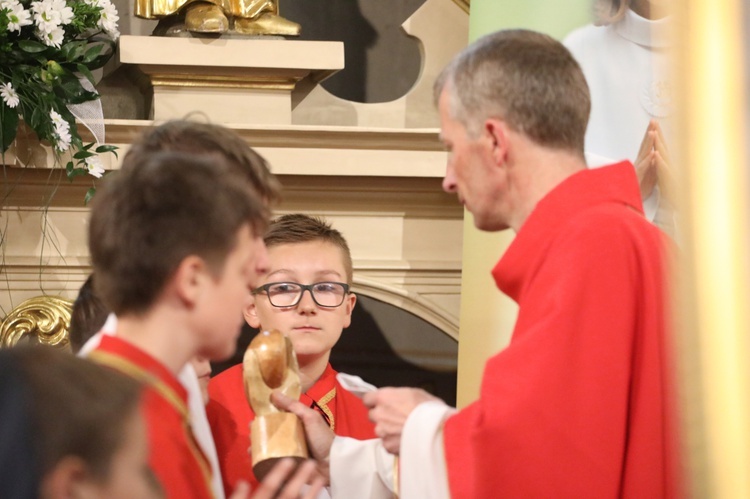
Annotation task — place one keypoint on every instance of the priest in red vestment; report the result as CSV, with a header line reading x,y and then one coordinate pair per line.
x,y
581,402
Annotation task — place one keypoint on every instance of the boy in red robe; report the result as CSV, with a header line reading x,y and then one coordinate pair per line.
x,y
305,295
176,247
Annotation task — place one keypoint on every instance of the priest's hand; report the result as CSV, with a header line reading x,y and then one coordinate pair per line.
x,y
317,432
389,410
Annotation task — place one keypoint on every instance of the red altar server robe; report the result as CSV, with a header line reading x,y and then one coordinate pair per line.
x,y
174,455
580,403
230,415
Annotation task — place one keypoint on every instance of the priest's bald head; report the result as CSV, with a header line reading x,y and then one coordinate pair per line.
x,y
514,107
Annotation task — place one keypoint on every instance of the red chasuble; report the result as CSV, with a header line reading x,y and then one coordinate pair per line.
x,y
174,455
580,404
229,415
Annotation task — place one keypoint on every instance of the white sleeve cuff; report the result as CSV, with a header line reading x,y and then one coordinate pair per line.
x,y
361,469
423,473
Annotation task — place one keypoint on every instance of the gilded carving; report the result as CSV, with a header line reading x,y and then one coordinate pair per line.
x,y
245,17
43,320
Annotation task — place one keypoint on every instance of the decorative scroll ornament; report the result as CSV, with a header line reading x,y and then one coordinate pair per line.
x,y
42,320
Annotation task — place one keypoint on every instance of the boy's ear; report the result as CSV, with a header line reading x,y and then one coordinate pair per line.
x,y
251,313
65,479
349,302
189,278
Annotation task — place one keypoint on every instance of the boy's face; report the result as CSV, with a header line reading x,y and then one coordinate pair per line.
x,y
313,329
225,297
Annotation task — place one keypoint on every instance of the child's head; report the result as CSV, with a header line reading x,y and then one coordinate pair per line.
x,y
205,139
88,315
306,251
184,232
84,426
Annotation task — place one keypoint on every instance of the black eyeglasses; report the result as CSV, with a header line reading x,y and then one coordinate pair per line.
x,y
289,294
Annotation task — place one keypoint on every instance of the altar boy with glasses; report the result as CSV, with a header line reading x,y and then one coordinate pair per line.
x,y
306,296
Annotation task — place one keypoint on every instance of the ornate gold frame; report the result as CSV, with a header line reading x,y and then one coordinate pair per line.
x,y
43,319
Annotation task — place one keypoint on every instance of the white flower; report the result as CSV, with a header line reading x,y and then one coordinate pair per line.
x,y
10,96
45,18
52,38
50,14
94,166
17,16
63,141
66,13
57,119
108,18
61,134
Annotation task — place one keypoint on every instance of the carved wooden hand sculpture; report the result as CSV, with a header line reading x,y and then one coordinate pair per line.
x,y
270,364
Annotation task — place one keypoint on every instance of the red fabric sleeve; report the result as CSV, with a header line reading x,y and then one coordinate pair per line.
x,y
230,415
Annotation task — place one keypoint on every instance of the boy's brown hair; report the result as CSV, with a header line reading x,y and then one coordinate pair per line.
x,y
301,228
87,317
206,139
74,407
147,219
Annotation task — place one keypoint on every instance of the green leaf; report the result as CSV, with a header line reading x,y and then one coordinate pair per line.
x,y
76,172
102,59
70,89
83,154
78,51
73,51
8,126
69,170
37,120
31,46
54,68
86,72
92,53
107,148
89,195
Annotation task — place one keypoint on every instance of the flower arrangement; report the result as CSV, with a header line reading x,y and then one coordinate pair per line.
x,y
47,49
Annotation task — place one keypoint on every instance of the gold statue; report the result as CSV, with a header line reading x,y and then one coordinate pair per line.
x,y
246,17
270,364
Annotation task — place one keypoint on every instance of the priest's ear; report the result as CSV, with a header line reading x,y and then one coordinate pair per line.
x,y
496,136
